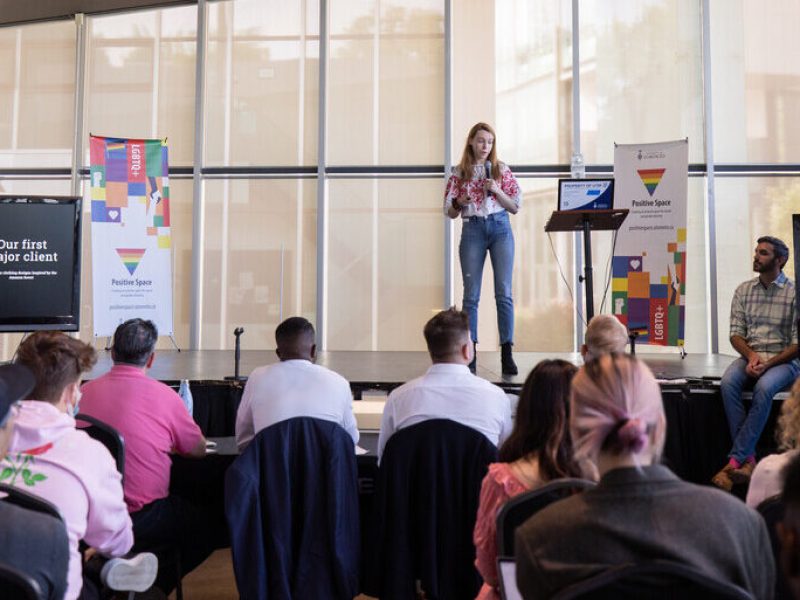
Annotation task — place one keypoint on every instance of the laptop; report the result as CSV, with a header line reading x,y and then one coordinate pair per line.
x,y
585,194
507,574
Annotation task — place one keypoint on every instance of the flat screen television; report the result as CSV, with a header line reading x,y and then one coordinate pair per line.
x,y
585,194
40,263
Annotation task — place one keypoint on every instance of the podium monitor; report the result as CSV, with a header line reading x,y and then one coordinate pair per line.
x,y
585,194
40,263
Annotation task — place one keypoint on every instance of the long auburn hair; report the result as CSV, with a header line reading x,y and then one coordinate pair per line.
x,y
468,158
540,427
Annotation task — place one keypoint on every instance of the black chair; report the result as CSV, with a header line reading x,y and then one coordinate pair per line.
x,y
115,444
657,580
520,508
106,435
30,501
772,511
428,493
16,585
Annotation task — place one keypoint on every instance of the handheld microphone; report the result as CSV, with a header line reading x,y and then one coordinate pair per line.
x,y
488,167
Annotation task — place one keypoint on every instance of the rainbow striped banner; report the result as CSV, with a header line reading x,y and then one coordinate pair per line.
x,y
131,233
648,269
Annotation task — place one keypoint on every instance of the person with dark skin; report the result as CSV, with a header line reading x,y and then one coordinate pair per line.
x,y
294,387
764,332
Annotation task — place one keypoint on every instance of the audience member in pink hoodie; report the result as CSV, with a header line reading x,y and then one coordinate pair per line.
x,y
50,458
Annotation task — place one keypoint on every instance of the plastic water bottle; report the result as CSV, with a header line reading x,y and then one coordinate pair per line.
x,y
185,392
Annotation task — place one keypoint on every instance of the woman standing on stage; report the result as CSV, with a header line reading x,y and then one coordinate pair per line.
x,y
483,191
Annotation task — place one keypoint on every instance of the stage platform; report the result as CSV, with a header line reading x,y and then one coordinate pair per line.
x,y
697,432
387,370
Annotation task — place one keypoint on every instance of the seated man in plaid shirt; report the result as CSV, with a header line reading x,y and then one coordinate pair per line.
x,y
764,331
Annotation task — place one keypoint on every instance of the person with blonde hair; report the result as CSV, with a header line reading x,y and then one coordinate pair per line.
x,y
767,479
604,335
483,191
640,511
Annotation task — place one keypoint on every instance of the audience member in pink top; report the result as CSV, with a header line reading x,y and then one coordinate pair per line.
x,y
48,457
537,451
155,424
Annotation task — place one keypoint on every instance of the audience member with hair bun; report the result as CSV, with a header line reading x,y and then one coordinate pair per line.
x,y
767,479
537,451
639,511
48,457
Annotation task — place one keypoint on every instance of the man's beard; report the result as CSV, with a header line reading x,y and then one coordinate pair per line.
x,y
764,268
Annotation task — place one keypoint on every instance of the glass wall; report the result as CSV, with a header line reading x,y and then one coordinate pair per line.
x,y
752,207
37,96
140,78
641,75
755,67
385,253
262,73
259,258
386,82
385,263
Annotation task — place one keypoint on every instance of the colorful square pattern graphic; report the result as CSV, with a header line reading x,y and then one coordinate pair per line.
x,y
653,304
127,173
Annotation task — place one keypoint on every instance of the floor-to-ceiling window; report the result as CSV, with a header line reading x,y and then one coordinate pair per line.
x,y
376,169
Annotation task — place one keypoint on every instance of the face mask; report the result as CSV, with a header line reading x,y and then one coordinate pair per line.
x,y
74,409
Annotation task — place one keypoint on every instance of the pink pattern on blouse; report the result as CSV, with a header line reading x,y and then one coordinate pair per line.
x,y
458,185
499,485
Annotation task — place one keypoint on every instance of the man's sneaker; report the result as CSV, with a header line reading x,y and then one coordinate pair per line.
x,y
135,574
723,479
743,473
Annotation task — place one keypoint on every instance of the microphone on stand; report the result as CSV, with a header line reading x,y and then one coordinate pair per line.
x,y
488,167
237,354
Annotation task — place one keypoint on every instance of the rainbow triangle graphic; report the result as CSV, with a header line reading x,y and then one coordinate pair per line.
x,y
131,257
651,178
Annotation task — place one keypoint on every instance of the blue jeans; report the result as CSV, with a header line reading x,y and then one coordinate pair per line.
x,y
477,236
172,528
746,427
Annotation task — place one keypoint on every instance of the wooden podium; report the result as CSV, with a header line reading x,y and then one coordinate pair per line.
x,y
587,221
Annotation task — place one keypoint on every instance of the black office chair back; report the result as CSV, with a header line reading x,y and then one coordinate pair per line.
x,y
772,511
108,436
27,500
17,585
658,580
428,493
520,508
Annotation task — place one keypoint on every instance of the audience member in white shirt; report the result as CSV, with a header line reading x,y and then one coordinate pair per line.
x,y
448,390
294,387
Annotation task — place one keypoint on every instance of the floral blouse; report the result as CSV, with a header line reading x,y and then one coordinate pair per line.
x,y
482,205
499,485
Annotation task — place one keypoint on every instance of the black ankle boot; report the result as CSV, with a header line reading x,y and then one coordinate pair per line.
x,y
473,366
507,361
